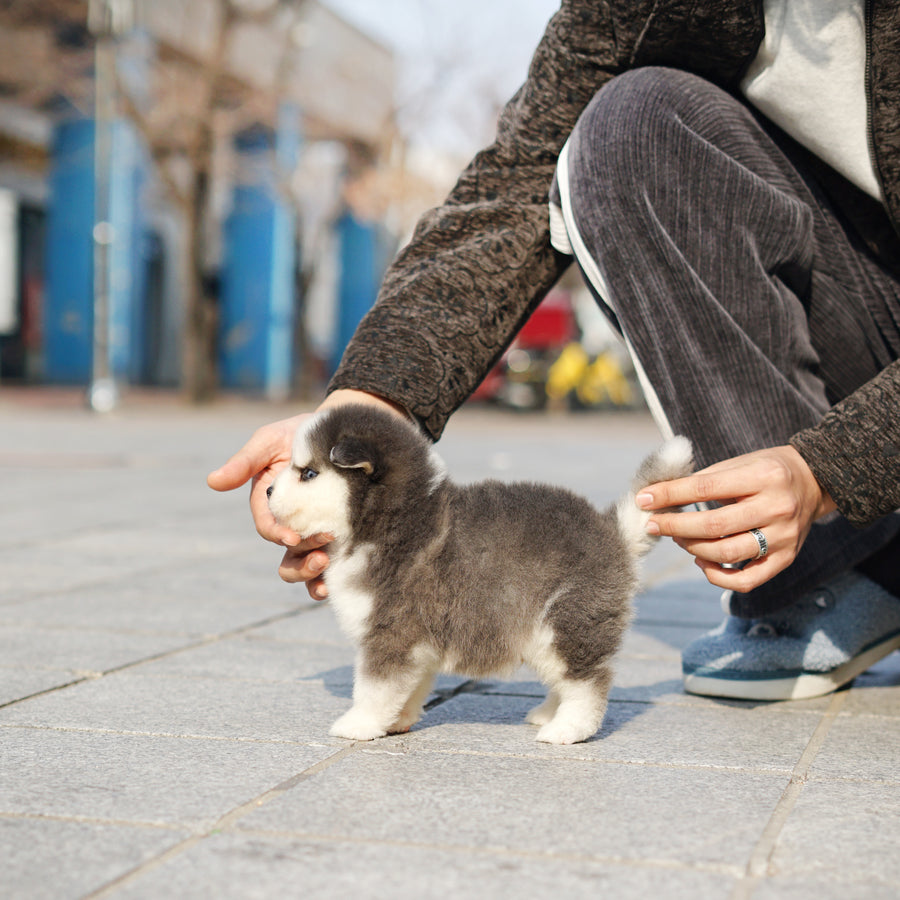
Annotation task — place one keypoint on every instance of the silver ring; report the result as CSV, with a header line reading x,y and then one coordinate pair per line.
x,y
761,542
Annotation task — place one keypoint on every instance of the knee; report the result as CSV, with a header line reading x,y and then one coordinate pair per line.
x,y
634,125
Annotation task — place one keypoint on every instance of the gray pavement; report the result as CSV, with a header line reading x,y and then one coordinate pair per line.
x,y
165,703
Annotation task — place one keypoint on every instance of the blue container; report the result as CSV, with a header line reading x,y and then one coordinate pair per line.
x,y
258,277
69,305
68,312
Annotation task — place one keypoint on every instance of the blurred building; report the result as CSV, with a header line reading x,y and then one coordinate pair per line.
x,y
183,183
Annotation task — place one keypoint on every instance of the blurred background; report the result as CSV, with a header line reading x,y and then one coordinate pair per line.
x,y
203,196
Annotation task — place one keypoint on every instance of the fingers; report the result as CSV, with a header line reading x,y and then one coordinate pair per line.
x,y
771,490
730,551
265,523
722,482
305,563
259,461
713,524
747,578
734,562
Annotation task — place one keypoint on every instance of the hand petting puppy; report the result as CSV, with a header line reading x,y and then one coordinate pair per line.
x,y
266,453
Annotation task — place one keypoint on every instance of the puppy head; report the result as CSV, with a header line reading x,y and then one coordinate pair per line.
x,y
350,465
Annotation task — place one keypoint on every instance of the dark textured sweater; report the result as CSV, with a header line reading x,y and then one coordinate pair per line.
x,y
477,266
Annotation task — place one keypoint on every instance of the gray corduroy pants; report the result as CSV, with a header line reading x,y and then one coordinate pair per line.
x,y
747,305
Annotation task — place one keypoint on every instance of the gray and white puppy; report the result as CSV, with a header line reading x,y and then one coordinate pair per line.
x,y
427,576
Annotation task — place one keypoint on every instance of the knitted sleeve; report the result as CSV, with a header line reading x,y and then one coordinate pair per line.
x,y
854,451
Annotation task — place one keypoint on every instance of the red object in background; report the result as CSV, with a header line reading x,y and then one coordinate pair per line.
x,y
552,324
549,328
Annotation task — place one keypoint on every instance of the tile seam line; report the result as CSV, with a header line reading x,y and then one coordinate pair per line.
x,y
209,640
187,562
137,824
761,855
181,736
121,631
221,824
644,763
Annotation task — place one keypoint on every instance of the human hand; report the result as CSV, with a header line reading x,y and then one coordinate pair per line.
x,y
772,490
259,461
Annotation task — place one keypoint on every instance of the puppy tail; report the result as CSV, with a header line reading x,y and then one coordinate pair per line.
x,y
673,460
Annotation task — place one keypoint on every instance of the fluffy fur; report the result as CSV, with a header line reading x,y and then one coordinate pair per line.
x,y
427,576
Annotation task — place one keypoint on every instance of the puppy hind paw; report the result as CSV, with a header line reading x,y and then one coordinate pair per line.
x,y
404,723
357,727
399,729
542,714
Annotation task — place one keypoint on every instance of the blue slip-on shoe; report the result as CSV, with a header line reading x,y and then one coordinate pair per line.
x,y
821,642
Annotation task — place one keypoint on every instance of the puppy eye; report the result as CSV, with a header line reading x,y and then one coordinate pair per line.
x,y
308,474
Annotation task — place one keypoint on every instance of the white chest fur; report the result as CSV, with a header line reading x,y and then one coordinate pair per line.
x,y
351,601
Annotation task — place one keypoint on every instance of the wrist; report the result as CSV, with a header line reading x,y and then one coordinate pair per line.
x,y
821,501
343,396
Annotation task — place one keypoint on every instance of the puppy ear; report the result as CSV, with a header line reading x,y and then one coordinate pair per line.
x,y
352,453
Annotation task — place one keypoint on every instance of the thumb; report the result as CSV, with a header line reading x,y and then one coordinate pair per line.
x,y
268,446
258,453
237,471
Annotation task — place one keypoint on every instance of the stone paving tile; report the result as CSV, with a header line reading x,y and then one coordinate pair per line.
x,y
79,650
29,572
251,658
842,829
46,859
259,866
321,627
159,604
235,710
849,885
18,683
92,558
714,736
876,692
604,810
860,748
147,779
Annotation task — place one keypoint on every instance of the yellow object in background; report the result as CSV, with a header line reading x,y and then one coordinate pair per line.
x,y
566,373
604,379
593,382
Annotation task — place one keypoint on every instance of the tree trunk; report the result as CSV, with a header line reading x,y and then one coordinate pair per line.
x,y
201,314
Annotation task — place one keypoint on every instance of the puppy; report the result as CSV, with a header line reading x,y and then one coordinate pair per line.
x,y
427,576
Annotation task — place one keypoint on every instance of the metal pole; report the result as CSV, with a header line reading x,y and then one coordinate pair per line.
x,y
106,19
103,394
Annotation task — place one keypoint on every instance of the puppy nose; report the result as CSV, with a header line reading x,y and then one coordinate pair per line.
x,y
269,490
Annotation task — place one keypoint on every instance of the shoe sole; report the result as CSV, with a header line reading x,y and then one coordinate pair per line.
x,y
800,686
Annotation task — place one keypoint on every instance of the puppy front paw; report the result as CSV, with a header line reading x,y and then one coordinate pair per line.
x,y
556,732
356,725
